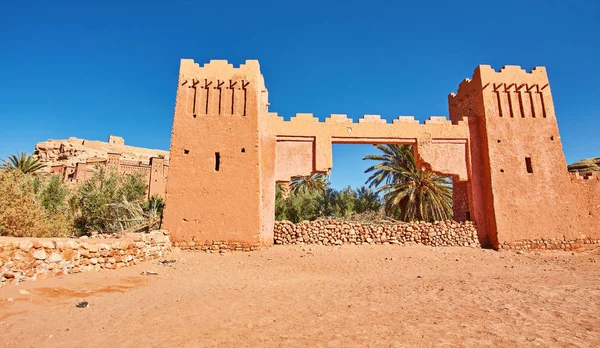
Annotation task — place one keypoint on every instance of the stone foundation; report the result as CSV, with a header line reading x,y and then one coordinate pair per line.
x,y
37,258
215,246
550,244
333,232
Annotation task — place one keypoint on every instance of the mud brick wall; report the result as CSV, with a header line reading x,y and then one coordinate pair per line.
x,y
333,232
37,258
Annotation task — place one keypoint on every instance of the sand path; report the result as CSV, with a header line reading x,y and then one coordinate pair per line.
x,y
349,296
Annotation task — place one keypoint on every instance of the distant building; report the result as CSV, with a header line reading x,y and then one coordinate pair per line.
x,y
75,159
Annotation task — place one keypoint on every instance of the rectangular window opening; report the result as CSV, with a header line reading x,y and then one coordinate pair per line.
x,y
217,161
528,165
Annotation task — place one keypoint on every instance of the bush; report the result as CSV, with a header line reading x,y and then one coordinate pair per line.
x,y
53,195
108,201
154,205
31,206
311,205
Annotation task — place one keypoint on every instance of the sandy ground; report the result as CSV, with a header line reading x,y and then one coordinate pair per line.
x,y
349,296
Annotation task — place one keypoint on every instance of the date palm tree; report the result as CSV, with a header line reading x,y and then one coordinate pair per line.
x,y
316,182
409,193
23,162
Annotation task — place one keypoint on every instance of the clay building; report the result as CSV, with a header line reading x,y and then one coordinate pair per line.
x,y
501,146
75,160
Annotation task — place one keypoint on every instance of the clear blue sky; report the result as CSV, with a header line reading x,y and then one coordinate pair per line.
x,y
93,68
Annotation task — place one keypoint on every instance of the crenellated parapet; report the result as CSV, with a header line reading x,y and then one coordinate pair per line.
x,y
218,88
510,92
589,176
440,144
300,118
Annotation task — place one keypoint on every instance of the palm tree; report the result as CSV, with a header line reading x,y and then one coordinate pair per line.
x,y
394,156
316,182
24,163
409,192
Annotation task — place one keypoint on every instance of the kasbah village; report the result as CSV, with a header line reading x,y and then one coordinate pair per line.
x,y
472,232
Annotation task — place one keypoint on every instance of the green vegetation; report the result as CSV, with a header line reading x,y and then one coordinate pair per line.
x,y
36,205
323,201
30,207
315,182
24,163
109,202
409,193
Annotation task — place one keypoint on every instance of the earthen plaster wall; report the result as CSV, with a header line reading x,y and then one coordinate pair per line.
x,y
227,152
501,147
214,191
441,145
523,178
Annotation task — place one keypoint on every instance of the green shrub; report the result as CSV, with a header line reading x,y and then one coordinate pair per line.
x,y
54,195
154,205
105,201
310,205
23,212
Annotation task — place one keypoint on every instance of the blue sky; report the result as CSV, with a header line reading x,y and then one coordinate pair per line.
x,y
93,68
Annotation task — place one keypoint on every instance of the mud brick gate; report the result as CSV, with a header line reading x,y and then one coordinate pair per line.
x,y
501,146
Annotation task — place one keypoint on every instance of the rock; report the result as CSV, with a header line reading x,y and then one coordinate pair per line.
x,y
40,254
25,245
48,244
55,257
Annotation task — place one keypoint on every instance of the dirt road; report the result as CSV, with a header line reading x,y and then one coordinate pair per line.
x,y
349,296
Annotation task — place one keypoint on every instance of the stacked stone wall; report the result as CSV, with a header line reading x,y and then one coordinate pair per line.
x,y
37,258
334,232
216,246
551,244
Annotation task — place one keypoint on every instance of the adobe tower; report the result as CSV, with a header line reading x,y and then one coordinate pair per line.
x,y
215,191
520,188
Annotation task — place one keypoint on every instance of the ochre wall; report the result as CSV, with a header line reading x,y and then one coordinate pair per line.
x,y
513,120
304,141
498,119
203,203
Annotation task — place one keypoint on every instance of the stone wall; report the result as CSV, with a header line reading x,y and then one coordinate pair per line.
x,y
37,258
551,244
333,232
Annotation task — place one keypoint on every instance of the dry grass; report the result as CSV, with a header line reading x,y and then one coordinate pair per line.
x,y
21,213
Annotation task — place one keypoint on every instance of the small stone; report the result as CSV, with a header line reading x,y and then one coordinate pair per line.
x,y
24,292
25,245
48,244
40,254
55,257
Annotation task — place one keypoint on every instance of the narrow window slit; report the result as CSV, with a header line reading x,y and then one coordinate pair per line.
x,y
217,161
528,165
185,152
